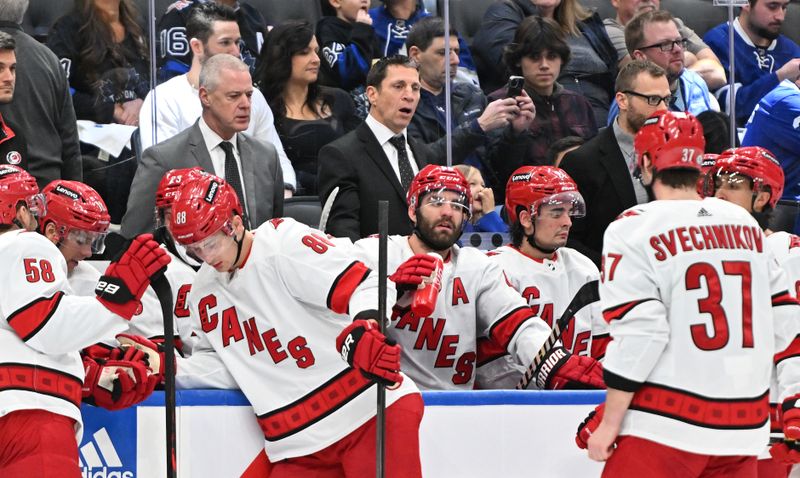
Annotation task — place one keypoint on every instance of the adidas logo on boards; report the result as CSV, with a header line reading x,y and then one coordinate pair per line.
x,y
92,465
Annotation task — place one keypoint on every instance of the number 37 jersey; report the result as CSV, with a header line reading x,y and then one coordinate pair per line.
x,y
697,307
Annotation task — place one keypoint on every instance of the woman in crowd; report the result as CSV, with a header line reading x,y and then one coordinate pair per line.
x,y
592,68
307,115
104,52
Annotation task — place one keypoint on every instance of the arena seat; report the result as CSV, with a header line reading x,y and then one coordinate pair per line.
x,y
305,209
41,15
466,15
278,11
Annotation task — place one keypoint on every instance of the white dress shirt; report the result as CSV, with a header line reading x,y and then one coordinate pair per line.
x,y
383,135
217,154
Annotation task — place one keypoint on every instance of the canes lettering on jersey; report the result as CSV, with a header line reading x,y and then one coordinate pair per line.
x,y
236,330
430,336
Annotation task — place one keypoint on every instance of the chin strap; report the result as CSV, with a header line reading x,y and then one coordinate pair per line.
x,y
762,218
163,237
239,243
16,222
532,241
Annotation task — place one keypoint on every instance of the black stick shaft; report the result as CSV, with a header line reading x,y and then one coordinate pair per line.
x,y
164,293
380,418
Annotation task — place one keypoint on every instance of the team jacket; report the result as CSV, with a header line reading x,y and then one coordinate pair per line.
x,y
42,328
755,67
274,324
548,286
775,125
174,54
697,307
440,352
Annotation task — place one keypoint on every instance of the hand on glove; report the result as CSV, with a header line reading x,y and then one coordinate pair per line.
x,y
412,272
562,370
789,450
588,426
121,288
117,384
366,349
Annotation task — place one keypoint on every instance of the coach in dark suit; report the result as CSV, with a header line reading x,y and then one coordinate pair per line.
x,y
377,160
604,168
216,144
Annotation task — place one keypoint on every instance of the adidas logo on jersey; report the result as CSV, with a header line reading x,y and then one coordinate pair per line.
x,y
703,213
99,458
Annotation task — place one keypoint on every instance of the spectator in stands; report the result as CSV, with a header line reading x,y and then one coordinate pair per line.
x,y
716,131
538,52
654,36
559,148
697,56
481,130
217,144
775,125
764,57
605,167
348,45
13,147
392,22
174,51
307,115
212,29
484,217
377,160
104,51
42,105
593,65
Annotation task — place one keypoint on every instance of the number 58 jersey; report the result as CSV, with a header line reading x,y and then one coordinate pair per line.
x,y
692,295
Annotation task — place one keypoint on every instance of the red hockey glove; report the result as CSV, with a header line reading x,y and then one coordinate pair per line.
x,y
411,272
126,279
154,353
116,384
366,349
588,426
562,370
789,450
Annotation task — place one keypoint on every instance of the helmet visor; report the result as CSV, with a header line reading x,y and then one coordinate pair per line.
x,y
211,245
554,206
447,197
97,240
731,180
36,204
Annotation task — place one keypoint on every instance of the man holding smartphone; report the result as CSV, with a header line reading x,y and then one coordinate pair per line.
x,y
480,129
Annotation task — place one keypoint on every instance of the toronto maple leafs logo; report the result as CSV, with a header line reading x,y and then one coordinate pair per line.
x,y
399,30
331,53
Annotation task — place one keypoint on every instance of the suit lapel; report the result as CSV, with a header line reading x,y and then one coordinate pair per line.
x,y
377,156
613,161
247,158
197,146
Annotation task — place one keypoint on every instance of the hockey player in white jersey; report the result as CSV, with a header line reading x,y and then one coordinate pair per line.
x,y
440,350
540,202
42,328
693,301
76,220
283,306
752,178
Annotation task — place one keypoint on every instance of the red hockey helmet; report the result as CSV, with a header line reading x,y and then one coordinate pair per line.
x,y
672,140
705,181
202,207
531,187
755,163
171,182
78,212
17,185
434,178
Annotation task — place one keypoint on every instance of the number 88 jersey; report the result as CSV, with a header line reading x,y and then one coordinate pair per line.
x,y
693,295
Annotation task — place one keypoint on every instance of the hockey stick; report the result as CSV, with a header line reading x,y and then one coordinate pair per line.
x,y
587,294
326,209
160,285
380,416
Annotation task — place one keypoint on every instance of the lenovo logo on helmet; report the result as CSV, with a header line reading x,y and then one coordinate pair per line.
x,y
211,193
67,192
521,177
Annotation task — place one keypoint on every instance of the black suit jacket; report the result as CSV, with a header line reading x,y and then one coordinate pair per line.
x,y
602,176
357,164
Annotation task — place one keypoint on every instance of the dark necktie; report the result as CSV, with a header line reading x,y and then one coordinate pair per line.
x,y
406,173
233,178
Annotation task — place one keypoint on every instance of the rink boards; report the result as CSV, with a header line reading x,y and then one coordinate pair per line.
x,y
463,434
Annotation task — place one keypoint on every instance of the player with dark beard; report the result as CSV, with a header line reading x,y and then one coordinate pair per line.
x,y
440,349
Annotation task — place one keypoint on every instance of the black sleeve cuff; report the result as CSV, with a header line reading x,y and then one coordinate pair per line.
x,y
620,383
